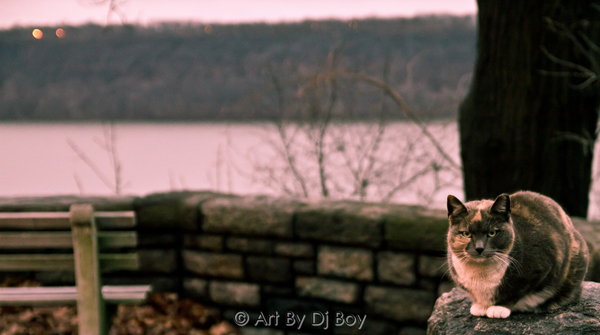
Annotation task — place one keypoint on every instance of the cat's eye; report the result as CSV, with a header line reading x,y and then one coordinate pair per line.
x,y
465,233
492,233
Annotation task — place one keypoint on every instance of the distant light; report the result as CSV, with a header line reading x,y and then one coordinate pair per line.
x,y
60,33
314,26
37,34
353,24
208,29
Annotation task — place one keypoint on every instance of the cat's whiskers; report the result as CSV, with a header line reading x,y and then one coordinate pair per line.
x,y
514,262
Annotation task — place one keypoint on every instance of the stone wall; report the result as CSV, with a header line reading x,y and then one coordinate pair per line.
x,y
269,256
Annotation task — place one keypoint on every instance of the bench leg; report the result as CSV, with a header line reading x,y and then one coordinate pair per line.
x,y
90,305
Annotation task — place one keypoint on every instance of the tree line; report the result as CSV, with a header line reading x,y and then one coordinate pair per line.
x,y
185,71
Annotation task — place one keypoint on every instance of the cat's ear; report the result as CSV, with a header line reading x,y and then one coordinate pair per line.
x,y
501,205
455,207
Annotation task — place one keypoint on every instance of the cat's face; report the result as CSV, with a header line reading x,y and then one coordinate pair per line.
x,y
480,231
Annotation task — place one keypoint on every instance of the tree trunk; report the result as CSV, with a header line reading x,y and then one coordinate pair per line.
x,y
523,126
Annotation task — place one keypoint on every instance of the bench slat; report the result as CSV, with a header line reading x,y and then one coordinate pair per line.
x,y
37,262
38,240
61,262
60,220
29,296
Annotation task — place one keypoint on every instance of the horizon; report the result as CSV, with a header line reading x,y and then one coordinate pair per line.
x,y
194,23
31,13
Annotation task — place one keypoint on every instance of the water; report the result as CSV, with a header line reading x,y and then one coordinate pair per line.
x,y
36,159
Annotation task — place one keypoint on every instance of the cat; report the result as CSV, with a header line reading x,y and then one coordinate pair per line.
x,y
517,253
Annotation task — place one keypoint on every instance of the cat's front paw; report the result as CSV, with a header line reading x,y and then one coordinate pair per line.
x,y
478,310
497,312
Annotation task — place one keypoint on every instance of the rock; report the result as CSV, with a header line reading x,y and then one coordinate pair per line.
x,y
196,288
591,233
328,289
277,290
451,316
215,265
204,242
304,267
346,222
370,327
250,215
415,228
247,245
153,240
163,261
402,305
171,210
269,269
261,331
234,294
348,263
430,266
396,268
305,250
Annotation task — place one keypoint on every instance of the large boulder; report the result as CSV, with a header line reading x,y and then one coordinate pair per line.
x,y
451,316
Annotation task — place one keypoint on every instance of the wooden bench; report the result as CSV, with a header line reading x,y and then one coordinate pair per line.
x,y
83,241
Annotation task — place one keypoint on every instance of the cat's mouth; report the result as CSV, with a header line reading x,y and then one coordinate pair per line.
x,y
479,258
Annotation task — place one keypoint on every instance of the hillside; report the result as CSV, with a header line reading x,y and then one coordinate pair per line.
x,y
191,72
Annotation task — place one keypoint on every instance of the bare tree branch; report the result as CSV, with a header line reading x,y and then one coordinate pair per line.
x,y
400,102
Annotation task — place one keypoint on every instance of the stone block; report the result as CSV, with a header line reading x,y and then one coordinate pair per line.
x,y
269,269
445,286
249,215
352,223
234,294
204,242
299,308
293,249
196,288
415,228
247,245
214,265
402,305
396,268
249,330
303,267
591,233
153,240
162,261
171,210
430,266
328,289
370,327
413,331
452,317
345,262
273,290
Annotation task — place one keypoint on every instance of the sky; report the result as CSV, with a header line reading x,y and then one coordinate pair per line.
x,y
75,12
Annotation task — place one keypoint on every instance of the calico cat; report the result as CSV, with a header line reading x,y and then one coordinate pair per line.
x,y
517,253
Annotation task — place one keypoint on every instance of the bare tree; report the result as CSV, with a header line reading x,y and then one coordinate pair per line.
x,y
114,7
317,153
109,145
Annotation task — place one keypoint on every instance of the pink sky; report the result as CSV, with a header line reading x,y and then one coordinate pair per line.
x,y
56,12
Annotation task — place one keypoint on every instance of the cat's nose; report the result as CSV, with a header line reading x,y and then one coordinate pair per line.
x,y
479,250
